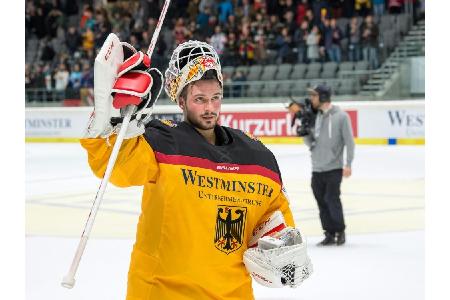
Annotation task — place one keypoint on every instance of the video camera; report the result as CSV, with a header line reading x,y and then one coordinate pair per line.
x,y
306,115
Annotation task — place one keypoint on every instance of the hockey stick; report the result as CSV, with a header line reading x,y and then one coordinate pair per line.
x,y
69,280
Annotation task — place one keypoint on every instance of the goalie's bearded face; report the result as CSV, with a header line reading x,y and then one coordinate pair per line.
x,y
202,104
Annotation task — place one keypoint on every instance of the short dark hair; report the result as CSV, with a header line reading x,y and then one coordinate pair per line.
x,y
209,75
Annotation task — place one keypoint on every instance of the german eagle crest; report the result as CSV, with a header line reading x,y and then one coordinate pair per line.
x,y
230,224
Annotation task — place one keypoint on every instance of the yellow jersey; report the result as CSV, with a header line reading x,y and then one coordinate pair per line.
x,y
200,205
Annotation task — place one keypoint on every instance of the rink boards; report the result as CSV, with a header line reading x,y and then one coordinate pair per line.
x,y
373,123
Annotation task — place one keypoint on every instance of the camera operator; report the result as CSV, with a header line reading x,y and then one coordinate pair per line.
x,y
326,135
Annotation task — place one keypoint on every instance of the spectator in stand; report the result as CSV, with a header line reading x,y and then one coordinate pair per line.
x,y
100,36
245,9
138,16
193,32
28,82
272,6
284,46
289,6
73,40
378,7
225,9
369,41
320,10
231,25
179,32
87,19
87,76
134,41
289,22
322,50
102,27
261,47
158,53
61,78
258,5
45,5
302,7
348,8
208,30
88,40
273,27
336,8
38,82
203,17
70,8
354,38
63,58
192,10
231,51
39,77
116,19
256,22
300,36
36,20
209,5
309,17
151,9
47,53
28,77
120,23
150,26
363,7
146,38
87,85
53,20
246,47
333,42
218,40
75,77
238,89
395,6
48,77
327,35
313,44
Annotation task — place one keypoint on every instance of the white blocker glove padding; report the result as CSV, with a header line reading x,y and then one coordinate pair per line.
x,y
279,260
116,58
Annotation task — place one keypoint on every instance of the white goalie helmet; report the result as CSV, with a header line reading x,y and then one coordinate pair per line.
x,y
189,62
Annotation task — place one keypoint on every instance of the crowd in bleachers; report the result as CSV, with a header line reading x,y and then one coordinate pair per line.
x,y
63,36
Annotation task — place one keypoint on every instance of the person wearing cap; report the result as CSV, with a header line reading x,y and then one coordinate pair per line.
x,y
210,194
332,132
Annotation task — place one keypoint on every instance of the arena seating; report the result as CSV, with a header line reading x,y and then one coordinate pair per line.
x,y
258,78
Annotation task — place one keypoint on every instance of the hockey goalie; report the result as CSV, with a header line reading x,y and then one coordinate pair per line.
x,y
214,212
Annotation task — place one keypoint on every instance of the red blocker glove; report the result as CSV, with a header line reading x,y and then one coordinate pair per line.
x,y
130,88
133,82
140,88
136,84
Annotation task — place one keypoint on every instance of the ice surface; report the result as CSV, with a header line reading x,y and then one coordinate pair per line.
x,y
383,202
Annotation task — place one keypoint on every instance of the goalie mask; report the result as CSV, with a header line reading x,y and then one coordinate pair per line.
x,y
189,62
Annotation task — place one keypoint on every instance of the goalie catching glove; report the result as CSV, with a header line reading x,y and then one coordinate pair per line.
x,y
122,77
279,258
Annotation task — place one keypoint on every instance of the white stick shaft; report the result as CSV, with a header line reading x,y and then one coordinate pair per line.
x,y
69,279
158,29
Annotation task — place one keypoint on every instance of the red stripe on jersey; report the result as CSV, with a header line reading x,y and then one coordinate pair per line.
x,y
218,167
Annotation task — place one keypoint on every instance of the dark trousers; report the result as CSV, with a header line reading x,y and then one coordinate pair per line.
x,y
326,188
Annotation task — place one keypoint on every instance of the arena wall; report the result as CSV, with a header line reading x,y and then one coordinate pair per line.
x,y
375,122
